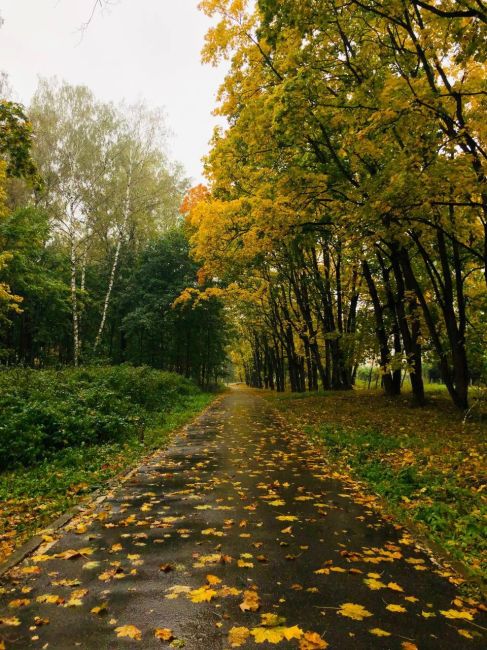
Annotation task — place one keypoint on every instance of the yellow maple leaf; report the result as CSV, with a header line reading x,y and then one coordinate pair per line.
x,y
287,518
394,586
465,633
378,632
356,612
399,609
19,602
100,609
456,613
312,641
277,502
293,632
202,595
237,636
129,631
250,602
164,634
269,634
270,619
407,645
11,621
212,580
374,584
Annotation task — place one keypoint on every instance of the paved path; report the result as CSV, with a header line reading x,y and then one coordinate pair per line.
x,y
239,499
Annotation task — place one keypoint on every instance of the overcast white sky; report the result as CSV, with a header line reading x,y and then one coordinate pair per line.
x,y
138,49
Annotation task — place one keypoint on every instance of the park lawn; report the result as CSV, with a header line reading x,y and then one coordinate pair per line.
x,y
32,495
427,464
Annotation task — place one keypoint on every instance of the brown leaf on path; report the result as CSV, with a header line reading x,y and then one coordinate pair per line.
x,y
164,634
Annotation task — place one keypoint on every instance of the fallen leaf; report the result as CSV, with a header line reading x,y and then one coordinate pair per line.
x,y
356,612
312,641
129,631
11,621
238,636
396,608
378,632
212,580
202,595
456,613
164,634
251,601
100,610
19,602
52,599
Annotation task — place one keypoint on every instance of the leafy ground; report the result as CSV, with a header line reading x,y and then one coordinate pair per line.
x,y
132,411
428,464
236,536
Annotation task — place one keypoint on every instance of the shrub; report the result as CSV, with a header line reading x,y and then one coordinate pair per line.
x,y
43,412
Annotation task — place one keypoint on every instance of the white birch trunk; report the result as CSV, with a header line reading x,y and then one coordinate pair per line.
x,y
106,303
74,302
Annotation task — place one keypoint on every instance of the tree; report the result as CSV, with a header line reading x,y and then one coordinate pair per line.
x,y
359,126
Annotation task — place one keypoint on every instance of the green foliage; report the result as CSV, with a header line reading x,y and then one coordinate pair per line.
x,y
32,496
44,412
16,140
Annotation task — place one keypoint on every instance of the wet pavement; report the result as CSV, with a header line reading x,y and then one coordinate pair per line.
x,y
236,536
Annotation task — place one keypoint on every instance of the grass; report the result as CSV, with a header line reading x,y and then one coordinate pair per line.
x,y
427,464
34,494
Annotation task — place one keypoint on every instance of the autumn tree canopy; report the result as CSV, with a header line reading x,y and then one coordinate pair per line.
x,y
347,204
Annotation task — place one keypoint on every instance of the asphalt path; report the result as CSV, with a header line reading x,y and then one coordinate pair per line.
x,y
235,536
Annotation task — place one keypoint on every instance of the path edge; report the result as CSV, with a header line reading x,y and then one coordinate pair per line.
x,y
95,498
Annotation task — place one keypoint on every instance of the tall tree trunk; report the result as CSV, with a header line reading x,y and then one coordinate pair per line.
x,y
126,213
74,302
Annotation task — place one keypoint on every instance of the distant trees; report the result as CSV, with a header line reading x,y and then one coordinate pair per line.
x,y
347,204
96,255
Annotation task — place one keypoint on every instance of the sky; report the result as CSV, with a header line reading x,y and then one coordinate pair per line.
x,y
135,50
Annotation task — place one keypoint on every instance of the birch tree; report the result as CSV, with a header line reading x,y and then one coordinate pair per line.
x,y
74,151
145,190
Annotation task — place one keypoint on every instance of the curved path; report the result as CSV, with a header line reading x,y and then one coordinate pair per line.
x,y
234,537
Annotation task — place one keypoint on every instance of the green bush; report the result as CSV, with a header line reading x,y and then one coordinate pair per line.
x,y
43,412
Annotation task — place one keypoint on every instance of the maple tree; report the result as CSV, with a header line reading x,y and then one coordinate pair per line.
x,y
347,194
